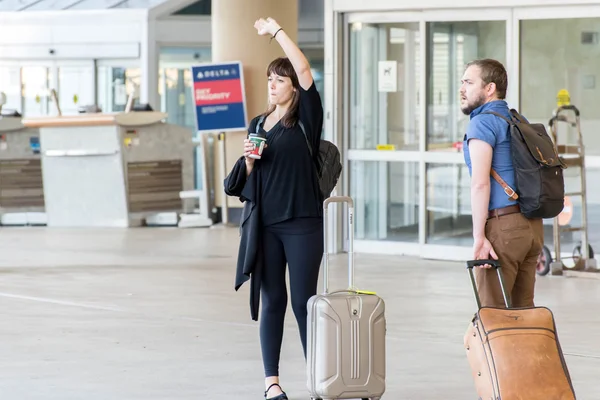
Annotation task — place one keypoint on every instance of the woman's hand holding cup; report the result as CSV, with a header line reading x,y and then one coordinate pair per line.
x,y
248,149
254,147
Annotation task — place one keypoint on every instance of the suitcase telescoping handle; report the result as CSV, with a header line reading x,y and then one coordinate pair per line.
x,y
496,265
350,202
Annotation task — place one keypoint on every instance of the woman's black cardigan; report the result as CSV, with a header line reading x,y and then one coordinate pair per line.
x,y
250,258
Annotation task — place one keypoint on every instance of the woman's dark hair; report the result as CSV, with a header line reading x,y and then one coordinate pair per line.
x,y
283,67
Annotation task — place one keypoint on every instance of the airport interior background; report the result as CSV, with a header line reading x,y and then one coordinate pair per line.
x,y
119,247
401,145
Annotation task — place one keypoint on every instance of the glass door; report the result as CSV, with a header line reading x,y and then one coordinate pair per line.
x,y
556,51
28,85
10,85
175,82
403,125
75,85
176,95
37,79
383,116
450,46
117,79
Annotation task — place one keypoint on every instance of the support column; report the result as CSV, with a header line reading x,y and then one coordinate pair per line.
x,y
149,66
234,38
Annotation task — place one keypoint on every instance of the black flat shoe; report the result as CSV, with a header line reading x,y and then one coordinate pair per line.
x,y
281,396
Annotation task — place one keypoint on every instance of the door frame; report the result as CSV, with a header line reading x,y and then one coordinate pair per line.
x,y
422,156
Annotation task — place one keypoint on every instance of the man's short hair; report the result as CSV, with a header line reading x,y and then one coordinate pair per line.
x,y
493,71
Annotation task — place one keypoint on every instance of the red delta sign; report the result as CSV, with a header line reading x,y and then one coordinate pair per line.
x,y
218,92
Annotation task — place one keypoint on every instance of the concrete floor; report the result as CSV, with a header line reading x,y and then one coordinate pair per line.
x,y
151,313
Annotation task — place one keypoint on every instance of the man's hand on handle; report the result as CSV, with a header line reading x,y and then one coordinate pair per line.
x,y
483,250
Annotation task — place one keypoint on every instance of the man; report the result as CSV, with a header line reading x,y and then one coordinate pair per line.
x,y
500,231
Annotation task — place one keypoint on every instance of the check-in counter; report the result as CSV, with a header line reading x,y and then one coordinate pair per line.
x,y
21,187
114,170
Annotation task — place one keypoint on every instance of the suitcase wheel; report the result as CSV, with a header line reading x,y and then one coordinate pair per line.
x,y
543,262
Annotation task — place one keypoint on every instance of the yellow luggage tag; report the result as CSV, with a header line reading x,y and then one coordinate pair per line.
x,y
365,292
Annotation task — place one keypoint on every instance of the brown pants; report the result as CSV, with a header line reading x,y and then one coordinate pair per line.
x,y
518,242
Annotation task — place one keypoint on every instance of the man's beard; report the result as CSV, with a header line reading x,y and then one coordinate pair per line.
x,y
468,109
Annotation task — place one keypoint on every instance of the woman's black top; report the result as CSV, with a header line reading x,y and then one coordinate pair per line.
x,y
290,188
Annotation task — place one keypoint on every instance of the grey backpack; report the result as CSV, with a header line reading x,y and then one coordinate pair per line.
x,y
328,162
539,183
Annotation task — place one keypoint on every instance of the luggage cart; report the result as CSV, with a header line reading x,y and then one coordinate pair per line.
x,y
573,155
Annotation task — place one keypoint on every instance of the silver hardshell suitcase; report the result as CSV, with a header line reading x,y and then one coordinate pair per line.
x,y
346,332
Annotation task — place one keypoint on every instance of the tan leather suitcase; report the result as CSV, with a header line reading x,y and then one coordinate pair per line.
x,y
346,333
514,353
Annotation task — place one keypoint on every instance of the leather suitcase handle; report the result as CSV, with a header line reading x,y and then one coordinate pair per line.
x,y
338,199
496,265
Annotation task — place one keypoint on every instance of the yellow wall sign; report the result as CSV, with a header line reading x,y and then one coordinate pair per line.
x,y
386,147
563,98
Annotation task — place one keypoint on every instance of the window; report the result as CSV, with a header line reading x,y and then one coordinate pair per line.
x,y
452,45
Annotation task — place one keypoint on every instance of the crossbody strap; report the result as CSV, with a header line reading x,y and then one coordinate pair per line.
x,y
507,189
510,192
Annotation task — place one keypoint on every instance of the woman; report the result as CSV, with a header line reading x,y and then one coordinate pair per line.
x,y
282,219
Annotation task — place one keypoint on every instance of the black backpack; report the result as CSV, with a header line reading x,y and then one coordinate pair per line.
x,y
328,164
539,183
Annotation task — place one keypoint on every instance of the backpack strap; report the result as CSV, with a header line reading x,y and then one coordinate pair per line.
x,y
515,114
306,137
499,115
510,192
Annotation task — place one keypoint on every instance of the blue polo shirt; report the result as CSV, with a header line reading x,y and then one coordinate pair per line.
x,y
494,131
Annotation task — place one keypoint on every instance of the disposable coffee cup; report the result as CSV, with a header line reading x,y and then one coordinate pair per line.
x,y
259,145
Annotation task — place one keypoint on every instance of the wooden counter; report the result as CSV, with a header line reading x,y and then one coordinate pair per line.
x,y
131,119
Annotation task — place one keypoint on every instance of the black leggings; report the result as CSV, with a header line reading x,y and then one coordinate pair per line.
x,y
299,242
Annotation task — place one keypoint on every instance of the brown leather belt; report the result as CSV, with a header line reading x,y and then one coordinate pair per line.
x,y
498,212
